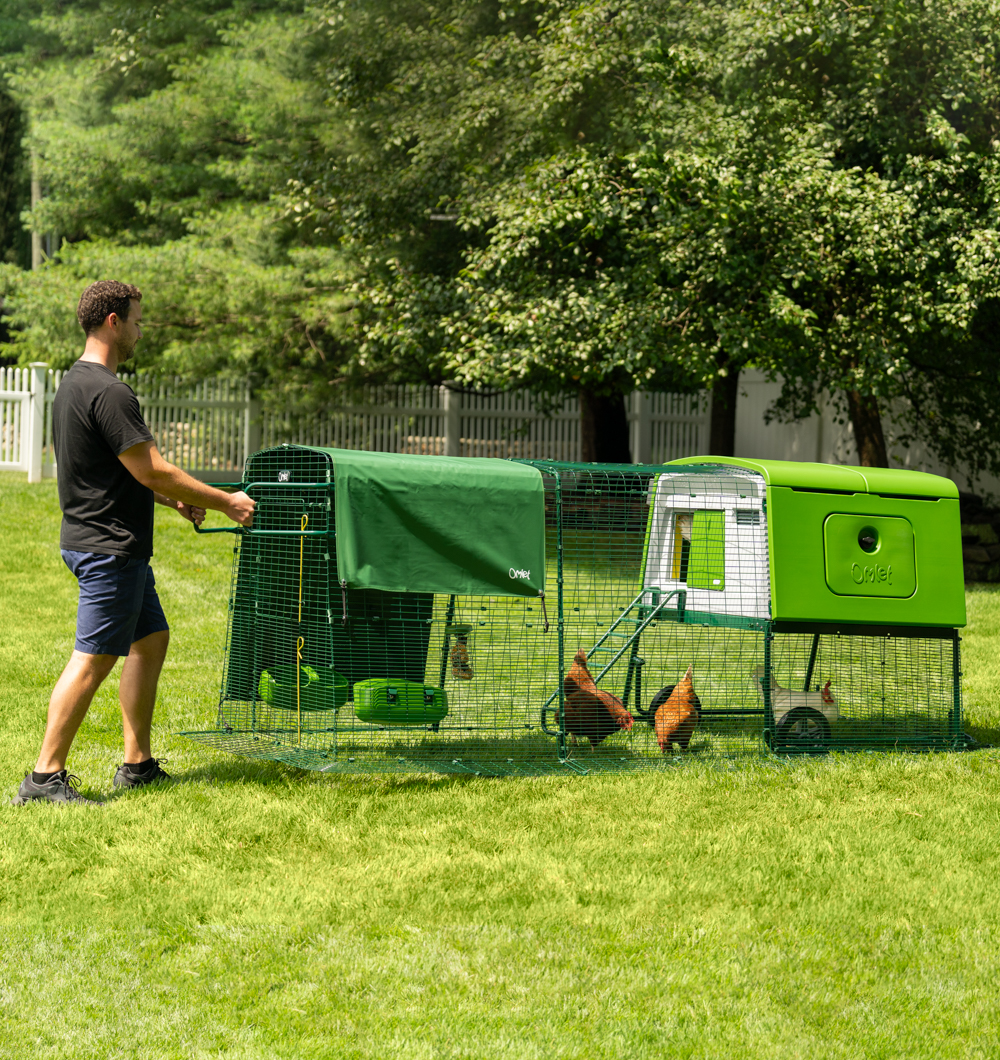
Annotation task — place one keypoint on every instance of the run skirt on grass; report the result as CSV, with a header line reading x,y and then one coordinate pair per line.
x,y
409,613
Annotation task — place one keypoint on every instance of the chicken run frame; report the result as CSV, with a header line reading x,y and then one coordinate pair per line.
x,y
409,613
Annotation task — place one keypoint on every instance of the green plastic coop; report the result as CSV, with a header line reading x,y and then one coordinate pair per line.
x,y
412,613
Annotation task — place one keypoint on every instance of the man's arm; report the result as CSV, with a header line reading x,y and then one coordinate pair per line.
x,y
144,463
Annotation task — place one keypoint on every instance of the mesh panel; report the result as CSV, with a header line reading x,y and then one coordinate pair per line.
x,y
654,574
887,691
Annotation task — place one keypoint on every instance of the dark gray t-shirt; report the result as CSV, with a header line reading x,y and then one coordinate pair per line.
x,y
95,416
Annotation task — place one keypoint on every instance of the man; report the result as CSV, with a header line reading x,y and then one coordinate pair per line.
x,y
110,473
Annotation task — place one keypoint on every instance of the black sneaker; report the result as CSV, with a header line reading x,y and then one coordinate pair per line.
x,y
131,777
58,788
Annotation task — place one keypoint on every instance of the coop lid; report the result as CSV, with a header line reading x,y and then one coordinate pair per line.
x,y
438,524
808,476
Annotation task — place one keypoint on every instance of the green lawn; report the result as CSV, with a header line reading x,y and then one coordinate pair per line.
x,y
845,907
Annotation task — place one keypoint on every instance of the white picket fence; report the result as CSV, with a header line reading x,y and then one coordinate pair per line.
x,y
211,427
22,419
450,422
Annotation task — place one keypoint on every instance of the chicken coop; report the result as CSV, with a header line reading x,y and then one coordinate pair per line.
x,y
410,613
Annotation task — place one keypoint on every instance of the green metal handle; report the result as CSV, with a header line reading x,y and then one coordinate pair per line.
x,y
288,485
244,486
264,533
288,533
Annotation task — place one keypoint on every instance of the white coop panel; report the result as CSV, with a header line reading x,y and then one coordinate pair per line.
x,y
708,539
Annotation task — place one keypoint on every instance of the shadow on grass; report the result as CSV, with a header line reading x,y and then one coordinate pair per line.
x,y
985,735
274,774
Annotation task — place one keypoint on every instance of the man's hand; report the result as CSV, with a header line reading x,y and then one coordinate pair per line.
x,y
241,508
191,512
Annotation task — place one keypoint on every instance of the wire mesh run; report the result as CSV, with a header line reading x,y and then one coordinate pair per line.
x,y
878,691
656,645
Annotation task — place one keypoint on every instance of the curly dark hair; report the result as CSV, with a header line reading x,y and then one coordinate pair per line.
x,y
102,298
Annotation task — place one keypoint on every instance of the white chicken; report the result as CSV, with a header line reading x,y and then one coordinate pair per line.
x,y
785,699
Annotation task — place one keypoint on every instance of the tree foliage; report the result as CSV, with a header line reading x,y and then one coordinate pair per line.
x,y
542,193
16,33
666,193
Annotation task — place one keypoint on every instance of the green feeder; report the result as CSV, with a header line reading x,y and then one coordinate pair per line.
x,y
390,702
319,688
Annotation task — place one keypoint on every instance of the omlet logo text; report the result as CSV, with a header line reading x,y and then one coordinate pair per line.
x,y
514,573
860,575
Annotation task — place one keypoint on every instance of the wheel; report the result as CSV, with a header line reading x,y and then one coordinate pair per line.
x,y
803,730
649,716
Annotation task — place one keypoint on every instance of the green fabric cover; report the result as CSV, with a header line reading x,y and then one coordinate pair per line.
x,y
439,524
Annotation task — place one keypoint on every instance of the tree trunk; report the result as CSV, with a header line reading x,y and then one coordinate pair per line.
x,y
867,429
604,428
722,427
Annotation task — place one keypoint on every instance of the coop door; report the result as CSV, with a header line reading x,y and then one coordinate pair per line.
x,y
700,549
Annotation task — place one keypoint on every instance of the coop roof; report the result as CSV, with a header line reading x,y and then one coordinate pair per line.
x,y
438,524
836,477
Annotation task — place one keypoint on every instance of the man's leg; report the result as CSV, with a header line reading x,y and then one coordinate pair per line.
x,y
137,693
69,703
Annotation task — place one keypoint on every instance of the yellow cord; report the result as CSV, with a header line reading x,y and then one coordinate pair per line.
x,y
301,640
298,682
302,542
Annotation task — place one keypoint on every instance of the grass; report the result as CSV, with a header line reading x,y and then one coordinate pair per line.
x,y
845,907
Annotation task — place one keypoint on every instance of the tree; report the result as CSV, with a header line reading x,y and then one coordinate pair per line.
x,y
672,192
664,194
17,32
487,194
15,244
161,158
544,194
888,238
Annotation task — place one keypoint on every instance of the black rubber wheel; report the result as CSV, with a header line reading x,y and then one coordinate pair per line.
x,y
803,730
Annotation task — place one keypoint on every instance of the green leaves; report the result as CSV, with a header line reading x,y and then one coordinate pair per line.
x,y
231,116
539,193
205,311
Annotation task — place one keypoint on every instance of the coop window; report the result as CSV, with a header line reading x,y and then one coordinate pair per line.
x,y
699,555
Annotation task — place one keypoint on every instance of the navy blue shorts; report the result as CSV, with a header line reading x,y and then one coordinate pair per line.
x,y
118,602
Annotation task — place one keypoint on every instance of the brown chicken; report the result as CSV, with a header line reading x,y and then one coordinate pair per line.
x,y
591,712
677,714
